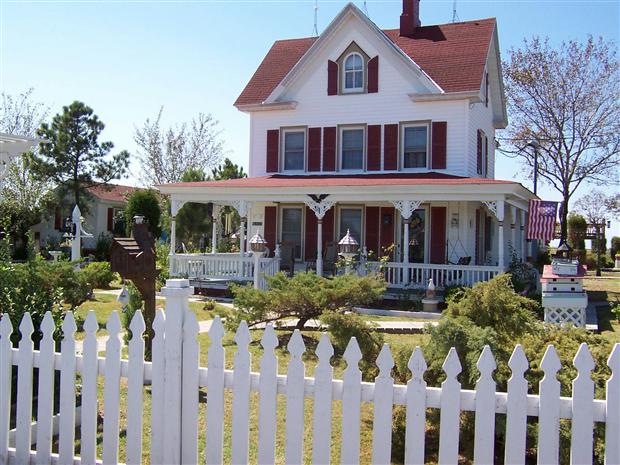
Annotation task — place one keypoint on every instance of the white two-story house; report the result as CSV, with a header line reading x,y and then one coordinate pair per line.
x,y
389,134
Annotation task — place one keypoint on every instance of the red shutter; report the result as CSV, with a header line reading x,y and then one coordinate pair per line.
x,y
373,151
372,229
386,228
328,226
329,149
273,141
373,75
314,149
479,152
270,227
57,219
310,236
110,219
438,234
486,157
332,77
390,147
439,140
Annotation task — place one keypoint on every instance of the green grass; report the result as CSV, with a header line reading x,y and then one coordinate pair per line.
x,y
605,290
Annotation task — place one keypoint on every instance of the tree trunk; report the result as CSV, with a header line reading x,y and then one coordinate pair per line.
x,y
301,323
564,218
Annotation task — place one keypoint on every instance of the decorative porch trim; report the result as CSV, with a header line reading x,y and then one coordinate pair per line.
x,y
406,207
176,205
242,207
319,208
492,207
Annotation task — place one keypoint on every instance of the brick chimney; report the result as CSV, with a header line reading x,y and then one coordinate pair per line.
x,y
410,19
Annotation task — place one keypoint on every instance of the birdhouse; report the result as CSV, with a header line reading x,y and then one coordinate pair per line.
x,y
134,257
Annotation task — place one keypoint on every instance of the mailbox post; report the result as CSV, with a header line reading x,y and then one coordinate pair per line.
x,y
134,258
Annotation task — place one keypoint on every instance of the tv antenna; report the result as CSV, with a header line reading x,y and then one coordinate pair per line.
x,y
455,16
365,8
315,31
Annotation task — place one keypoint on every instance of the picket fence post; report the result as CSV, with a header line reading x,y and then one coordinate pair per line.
x,y
177,292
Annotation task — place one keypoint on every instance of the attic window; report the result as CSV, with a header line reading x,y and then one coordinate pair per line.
x,y
353,73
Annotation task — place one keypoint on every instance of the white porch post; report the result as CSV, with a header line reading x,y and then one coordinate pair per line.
x,y
175,206
406,209
513,229
523,244
242,207
497,208
215,216
319,209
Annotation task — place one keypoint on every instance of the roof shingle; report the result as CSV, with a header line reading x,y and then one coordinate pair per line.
x,y
453,55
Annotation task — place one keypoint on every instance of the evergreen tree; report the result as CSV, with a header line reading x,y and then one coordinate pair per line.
x,y
193,221
73,158
228,170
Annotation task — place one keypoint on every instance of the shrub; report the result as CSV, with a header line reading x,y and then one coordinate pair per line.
x,y
209,305
146,203
523,276
453,293
342,327
493,314
134,304
103,247
615,247
304,296
162,251
98,275
577,226
616,312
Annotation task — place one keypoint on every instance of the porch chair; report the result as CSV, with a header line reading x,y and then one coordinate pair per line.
x,y
287,258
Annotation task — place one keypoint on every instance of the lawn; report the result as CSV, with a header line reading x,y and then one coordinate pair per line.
x,y
311,339
606,291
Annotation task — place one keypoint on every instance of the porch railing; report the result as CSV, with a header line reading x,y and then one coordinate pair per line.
x,y
229,266
417,274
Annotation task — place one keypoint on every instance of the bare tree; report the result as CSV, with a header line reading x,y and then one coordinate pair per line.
x,y
165,154
566,100
20,115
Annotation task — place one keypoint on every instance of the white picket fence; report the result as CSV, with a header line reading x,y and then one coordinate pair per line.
x,y
175,377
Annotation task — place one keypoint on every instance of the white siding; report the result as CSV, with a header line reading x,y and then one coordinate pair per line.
x,y
390,105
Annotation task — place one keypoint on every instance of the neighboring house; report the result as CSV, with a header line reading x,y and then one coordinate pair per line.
x,y
105,216
389,134
12,146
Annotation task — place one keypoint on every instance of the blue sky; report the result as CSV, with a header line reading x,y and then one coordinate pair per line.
x,y
127,58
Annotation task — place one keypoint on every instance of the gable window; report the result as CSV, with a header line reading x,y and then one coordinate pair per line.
x,y
415,146
352,149
294,150
353,73
482,162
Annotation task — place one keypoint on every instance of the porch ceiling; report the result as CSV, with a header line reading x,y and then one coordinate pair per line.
x,y
348,188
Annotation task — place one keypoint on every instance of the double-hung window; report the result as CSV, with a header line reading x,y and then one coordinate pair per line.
x,y
294,150
353,73
415,146
352,149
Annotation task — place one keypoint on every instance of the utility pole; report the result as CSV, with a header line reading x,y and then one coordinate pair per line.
x,y
535,145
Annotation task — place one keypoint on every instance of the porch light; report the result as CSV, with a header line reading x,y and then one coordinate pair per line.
x,y
348,245
258,244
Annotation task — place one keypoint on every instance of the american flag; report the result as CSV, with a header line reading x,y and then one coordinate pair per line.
x,y
541,223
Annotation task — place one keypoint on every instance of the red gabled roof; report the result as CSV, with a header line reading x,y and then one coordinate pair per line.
x,y
392,179
112,192
453,55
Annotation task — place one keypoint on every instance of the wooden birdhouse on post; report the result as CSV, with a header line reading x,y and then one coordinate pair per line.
x,y
134,258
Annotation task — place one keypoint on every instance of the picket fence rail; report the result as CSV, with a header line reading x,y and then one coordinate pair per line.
x,y
175,377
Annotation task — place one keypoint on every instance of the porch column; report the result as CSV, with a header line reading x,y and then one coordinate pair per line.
x,y
215,216
406,209
242,207
496,207
320,208
513,229
523,245
175,206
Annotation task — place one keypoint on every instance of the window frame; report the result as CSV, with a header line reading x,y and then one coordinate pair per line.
x,y
401,144
349,127
353,90
303,226
340,234
484,148
283,132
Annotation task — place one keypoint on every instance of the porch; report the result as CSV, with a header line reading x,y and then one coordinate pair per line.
x,y
410,229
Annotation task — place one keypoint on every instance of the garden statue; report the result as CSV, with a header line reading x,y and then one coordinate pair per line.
x,y
78,233
430,303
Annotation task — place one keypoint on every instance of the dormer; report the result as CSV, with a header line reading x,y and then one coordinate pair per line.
x,y
354,72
